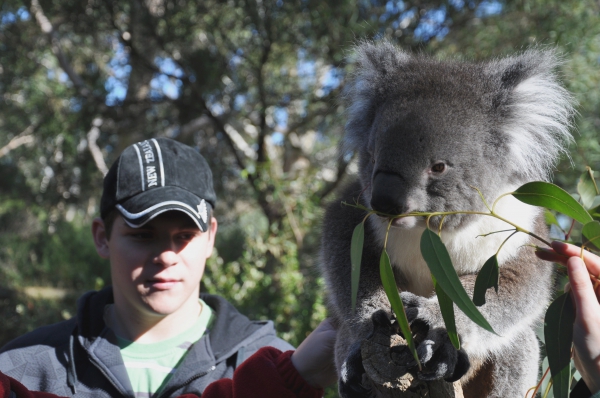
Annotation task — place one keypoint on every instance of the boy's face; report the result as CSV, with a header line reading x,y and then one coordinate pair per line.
x,y
156,269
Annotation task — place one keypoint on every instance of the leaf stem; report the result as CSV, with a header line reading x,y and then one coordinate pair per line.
x,y
429,215
505,240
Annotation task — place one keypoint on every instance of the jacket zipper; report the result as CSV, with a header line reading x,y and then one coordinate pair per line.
x,y
106,376
185,383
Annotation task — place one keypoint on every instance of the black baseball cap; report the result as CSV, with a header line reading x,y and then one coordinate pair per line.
x,y
157,175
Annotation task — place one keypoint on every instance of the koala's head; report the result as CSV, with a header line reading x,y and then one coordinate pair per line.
x,y
427,131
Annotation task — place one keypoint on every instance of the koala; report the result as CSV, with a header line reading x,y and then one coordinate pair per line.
x,y
427,132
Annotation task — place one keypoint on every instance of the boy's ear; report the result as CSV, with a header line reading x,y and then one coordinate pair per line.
x,y
100,238
212,231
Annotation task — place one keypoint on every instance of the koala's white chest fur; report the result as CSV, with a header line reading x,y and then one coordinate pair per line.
x,y
468,249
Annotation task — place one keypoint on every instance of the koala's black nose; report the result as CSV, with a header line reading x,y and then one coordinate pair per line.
x,y
389,194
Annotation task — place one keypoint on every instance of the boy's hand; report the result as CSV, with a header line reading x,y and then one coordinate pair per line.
x,y
314,357
586,331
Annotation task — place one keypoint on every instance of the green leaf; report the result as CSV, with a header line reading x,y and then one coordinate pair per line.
x,y
447,309
587,188
437,258
591,235
391,290
550,196
595,212
486,278
550,218
356,249
558,334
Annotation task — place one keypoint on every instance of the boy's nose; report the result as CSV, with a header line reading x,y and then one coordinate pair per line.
x,y
166,254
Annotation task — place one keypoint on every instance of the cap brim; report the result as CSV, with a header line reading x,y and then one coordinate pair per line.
x,y
140,209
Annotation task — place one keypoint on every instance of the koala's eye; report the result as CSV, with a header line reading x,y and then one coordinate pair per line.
x,y
438,168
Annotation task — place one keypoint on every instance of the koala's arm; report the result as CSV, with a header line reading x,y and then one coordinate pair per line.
x,y
338,226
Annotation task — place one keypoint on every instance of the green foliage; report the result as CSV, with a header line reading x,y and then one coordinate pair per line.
x,y
447,310
486,278
438,260
558,333
391,290
540,193
22,313
356,245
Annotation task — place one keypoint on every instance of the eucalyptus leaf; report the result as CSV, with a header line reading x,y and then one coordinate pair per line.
x,y
591,235
550,218
356,249
447,309
486,278
437,258
391,290
595,212
558,334
550,196
587,188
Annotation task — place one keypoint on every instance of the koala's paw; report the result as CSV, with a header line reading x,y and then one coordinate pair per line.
x,y
436,353
352,374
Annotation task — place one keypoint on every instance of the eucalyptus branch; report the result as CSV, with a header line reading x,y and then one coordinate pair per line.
x,y
483,199
505,240
498,199
497,232
429,215
387,234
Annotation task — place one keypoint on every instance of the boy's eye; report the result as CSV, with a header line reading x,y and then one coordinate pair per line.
x,y
141,235
187,236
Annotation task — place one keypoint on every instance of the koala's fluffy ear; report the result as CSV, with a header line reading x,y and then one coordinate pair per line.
x,y
366,89
534,110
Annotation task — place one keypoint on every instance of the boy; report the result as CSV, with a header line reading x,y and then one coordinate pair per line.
x,y
151,333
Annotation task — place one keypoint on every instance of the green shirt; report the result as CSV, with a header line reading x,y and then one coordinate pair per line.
x,y
150,366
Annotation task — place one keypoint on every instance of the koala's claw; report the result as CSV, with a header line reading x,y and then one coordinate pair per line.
x,y
351,380
461,367
435,350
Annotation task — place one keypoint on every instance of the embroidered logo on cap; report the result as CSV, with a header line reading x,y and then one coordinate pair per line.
x,y
203,211
151,164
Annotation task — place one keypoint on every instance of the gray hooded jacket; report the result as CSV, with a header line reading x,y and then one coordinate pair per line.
x,y
80,357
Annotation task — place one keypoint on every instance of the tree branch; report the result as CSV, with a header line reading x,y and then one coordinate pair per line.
x,y
330,187
92,137
23,138
48,29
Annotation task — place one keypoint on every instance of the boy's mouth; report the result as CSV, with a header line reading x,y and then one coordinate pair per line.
x,y
162,284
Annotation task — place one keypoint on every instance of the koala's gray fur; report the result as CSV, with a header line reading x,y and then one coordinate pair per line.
x,y
492,125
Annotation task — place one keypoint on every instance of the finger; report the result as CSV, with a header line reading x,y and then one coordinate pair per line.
x,y
566,249
326,329
592,261
582,291
550,255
